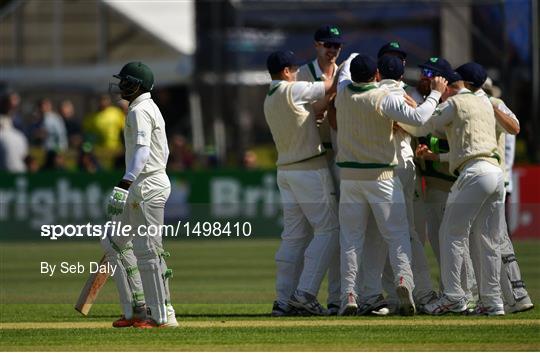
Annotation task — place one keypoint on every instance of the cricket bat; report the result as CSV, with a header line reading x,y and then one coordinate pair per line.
x,y
91,290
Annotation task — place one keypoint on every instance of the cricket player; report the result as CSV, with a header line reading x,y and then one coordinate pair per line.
x,y
436,174
370,299
514,293
305,185
367,157
470,128
139,200
328,44
391,68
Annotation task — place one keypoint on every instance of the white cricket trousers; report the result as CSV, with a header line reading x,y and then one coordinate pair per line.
x,y
310,230
386,200
512,285
142,275
474,200
435,203
334,268
376,248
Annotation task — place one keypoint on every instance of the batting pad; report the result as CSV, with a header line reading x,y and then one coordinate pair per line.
x,y
154,287
126,277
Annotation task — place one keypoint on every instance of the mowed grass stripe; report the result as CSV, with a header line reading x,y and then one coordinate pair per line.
x,y
281,323
323,338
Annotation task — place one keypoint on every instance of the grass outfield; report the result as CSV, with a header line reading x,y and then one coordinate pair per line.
x,y
223,292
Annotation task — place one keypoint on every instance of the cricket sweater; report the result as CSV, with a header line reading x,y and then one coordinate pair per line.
x,y
293,129
471,132
366,149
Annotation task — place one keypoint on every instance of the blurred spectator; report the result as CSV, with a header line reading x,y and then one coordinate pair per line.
x,y
48,129
32,165
72,123
250,160
14,105
13,144
87,161
124,105
104,127
181,156
54,160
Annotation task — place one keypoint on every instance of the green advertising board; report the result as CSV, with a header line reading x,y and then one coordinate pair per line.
x,y
29,201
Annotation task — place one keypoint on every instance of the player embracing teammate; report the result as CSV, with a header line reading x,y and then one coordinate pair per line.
x,y
378,126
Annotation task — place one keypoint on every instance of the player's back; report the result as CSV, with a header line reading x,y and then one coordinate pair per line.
x,y
295,135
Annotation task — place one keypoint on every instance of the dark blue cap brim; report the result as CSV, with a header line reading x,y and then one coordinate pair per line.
x,y
434,68
392,50
331,40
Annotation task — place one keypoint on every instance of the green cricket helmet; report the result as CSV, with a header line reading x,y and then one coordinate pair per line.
x,y
134,74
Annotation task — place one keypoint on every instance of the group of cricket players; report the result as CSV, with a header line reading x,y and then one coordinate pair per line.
x,y
369,169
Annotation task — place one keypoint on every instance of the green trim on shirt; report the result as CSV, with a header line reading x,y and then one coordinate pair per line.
x,y
273,90
432,167
357,165
496,156
434,147
360,89
313,72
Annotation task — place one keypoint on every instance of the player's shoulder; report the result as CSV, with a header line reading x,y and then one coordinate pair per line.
x,y
307,85
308,72
393,87
496,100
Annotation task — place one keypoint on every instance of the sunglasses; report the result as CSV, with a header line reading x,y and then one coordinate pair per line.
x,y
332,45
429,73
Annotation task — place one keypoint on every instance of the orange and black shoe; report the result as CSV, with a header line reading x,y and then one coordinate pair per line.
x,y
123,322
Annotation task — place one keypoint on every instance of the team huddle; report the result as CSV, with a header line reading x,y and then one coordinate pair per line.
x,y
370,168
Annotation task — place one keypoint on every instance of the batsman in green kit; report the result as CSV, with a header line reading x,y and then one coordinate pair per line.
x,y
139,201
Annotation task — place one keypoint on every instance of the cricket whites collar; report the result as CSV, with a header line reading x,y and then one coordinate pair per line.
x,y
139,99
362,87
480,93
316,71
464,91
273,86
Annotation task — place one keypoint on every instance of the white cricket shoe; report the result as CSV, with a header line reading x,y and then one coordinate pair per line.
x,y
446,305
171,317
521,305
349,306
406,302
308,302
495,310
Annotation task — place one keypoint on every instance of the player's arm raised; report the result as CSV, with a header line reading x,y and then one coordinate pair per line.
x,y
506,118
396,108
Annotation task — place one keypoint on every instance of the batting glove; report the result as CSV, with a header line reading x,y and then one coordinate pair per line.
x,y
117,201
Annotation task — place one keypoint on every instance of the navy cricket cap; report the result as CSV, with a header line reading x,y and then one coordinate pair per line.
x,y
279,60
363,67
328,34
473,73
439,65
392,47
452,76
391,67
